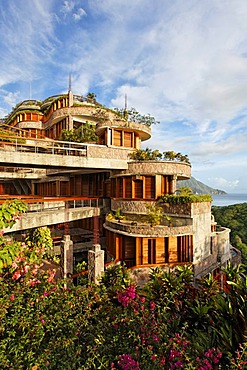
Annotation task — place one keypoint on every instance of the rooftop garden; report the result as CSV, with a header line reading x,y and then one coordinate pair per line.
x,y
155,155
134,116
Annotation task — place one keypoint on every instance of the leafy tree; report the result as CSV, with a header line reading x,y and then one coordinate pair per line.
x,y
134,116
154,214
235,218
154,155
41,238
85,133
184,191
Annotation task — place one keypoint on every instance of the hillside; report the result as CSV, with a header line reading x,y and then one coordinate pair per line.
x,y
235,218
199,187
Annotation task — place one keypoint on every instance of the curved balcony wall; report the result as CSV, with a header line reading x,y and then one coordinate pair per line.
x,y
30,124
179,169
146,230
84,111
143,131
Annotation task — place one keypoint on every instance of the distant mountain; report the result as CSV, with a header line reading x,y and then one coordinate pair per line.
x,y
198,187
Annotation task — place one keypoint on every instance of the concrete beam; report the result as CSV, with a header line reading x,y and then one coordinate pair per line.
x,y
38,160
32,220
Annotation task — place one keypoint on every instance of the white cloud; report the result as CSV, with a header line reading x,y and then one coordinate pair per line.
x,y
222,183
183,62
68,6
79,14
11,98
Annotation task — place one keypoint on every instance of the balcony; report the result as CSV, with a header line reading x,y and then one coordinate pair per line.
x,y
140,229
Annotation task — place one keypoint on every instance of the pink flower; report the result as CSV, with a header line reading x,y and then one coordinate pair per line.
x,y
51,275
33,282
12,297
152,306
16,275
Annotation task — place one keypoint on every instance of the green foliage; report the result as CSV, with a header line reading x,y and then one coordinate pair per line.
x,y
183,199
9,136
184,191
85,133
166,325
41,238
235,218
11,212
155,155
172,156
117,215
116,276
91,97
134,116
154,214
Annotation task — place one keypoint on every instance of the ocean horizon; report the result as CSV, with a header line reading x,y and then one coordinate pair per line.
x,y
228,199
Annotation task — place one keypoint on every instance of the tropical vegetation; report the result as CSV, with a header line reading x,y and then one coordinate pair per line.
x,y
235,218
85,133
155,155
166,324
134,116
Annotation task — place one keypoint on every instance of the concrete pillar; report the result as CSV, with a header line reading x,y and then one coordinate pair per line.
x,y
174,184
70,94
95,264
67,256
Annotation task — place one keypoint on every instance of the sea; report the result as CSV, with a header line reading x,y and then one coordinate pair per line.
x,y
228,199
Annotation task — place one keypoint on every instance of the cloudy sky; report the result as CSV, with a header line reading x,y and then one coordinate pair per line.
x,y
183,62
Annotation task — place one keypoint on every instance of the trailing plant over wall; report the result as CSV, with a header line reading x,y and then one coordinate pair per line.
x,y
155,155
182,199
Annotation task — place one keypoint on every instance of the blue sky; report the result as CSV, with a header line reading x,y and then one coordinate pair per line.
x,y
183,62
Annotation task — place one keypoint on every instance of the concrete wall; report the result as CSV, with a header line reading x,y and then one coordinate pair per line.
x,y
201,214
182,170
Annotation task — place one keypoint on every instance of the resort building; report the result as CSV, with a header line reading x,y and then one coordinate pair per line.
x,y
98,192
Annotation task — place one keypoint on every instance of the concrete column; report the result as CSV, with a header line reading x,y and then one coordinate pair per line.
x,y
95,264
174,184
67,255
70,94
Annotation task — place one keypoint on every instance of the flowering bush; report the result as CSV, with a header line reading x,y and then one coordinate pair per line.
x,y
116,325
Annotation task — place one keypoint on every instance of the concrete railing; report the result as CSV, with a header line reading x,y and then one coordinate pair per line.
x,y
146,230
51,211
43,146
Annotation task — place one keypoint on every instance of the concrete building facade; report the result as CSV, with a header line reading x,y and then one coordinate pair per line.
x,y
61,180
